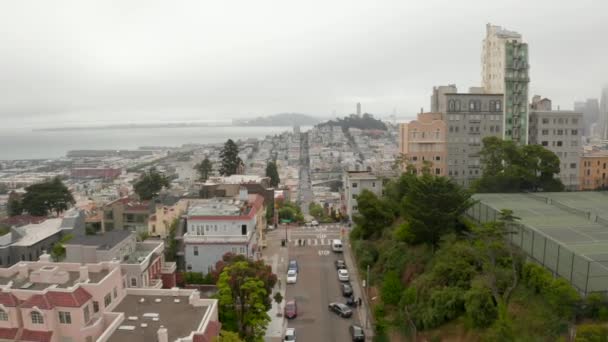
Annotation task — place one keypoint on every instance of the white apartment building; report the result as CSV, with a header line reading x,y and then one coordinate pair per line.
x,y
354,183
221,225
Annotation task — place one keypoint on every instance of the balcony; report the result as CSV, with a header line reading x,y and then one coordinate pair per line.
x,y
189,238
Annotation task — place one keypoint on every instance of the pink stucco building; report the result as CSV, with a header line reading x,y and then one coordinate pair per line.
x,y
45,301
424,140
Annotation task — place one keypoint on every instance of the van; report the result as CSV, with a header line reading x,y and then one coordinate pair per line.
x,y
336,246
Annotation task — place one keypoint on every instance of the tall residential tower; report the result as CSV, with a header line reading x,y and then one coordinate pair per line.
x,y
505,71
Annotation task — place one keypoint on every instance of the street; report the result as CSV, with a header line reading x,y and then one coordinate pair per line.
x,y
317,284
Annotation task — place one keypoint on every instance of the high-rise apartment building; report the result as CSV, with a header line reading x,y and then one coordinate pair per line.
x,y
470,117
603,118
423,143
505,71
591,113
559,131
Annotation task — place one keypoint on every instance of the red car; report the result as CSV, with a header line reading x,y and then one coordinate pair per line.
x,y
291,309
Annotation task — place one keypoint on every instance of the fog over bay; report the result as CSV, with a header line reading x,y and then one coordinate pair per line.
x,y
72,62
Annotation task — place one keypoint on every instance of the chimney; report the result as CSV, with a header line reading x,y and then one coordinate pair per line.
x,y
45,257
162,334
84,274
243,193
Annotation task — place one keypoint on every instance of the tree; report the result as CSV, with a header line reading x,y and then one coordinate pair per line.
x,y
204,169
316,210
432,207
14,205
373,215
58,250
50,196
242,301
479,306
150,183
3,189
230,159
273,172
508,167
228,336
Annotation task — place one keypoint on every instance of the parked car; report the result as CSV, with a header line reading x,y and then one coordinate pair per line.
x,y
351,301
340,309
340,264
292,276
293,265
336,246
314,223
347,290
343,275
290,335
356,332
291,309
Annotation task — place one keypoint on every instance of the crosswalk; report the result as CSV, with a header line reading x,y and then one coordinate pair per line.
x,y
310,242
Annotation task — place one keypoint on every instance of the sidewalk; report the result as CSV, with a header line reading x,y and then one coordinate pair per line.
x,y
363,310
276,257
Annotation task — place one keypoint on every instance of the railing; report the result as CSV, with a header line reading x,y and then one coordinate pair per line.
x,y
216,238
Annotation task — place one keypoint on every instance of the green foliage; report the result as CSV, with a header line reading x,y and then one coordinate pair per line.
x,y
443,305
3,189
150,183
365,121
50,196
479,306
58,249
536,277
273,172
591,333
230,159
373,215
366,253
391,288
14,205
171,242
290,211
198,278
511,168
316,210
242,300
278,298
227,336
432,207
403,233
204,169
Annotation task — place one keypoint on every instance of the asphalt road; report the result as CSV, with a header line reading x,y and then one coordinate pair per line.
x,y
317,286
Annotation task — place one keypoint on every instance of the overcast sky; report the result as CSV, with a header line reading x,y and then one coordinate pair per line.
x,y
63,62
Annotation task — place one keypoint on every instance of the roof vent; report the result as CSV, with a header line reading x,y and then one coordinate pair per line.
x,y
158,300
141,300
126,327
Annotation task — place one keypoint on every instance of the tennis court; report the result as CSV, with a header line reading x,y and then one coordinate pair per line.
x,y
566,232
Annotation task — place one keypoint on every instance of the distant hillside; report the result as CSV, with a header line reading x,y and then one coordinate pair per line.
x,y
282,119
365,121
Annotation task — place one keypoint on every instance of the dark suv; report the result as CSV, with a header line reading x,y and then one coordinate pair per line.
x,y
340,264
357,333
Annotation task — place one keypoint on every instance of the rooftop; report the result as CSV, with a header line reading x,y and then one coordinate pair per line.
x,y
29,284
106,240
361,175
225,206
34,232
235,179
180,318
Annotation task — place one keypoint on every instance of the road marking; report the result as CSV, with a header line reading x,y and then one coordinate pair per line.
x,y
323,252
321,236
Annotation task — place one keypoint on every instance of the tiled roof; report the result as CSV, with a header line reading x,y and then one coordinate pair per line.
x,y
69,299
8,299
36,336
8,333
52,299
39,301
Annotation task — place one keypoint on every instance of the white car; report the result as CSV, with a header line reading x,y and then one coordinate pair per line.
x,y
290,335
292,276
314,223
343,275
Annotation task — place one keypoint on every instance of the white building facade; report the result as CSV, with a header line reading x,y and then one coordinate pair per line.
x,y
354,183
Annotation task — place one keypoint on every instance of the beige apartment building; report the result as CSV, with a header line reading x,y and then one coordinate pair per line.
x,y
423,141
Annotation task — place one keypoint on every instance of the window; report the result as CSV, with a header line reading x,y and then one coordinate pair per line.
x,y
107,299
545,132
573,165
437,171
546,121
244,229
3,315
86,314
373,184
354,196
498,106
559,143
545,143
560,132
355,208
36,317
414,158
65,317
242,250
437,158
115,293
95,307
471,106
354,185
574,132
575,121
492,106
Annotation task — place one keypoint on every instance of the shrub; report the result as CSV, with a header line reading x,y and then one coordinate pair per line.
x,y
479,306
536,277
562,297
391,288
591,333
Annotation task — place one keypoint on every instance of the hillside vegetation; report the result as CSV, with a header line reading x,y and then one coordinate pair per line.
x,y
442,277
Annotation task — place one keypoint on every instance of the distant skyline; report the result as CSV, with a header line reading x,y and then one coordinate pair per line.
x,y
72,62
